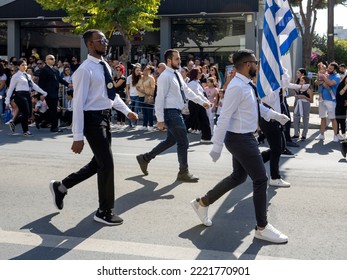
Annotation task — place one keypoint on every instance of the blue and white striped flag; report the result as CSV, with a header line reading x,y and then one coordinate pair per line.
x,y
279,32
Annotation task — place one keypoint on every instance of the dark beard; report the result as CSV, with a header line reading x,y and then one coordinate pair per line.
x,y
175,67
252,73
100,52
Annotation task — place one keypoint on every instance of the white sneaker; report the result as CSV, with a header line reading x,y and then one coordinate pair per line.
x,y
320,137
269,233
279,183
150,128
338,138
202,213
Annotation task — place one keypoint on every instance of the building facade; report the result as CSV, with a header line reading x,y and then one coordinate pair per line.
x,y
203,28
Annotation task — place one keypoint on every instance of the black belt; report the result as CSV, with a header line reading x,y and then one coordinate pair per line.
x,y
21,91
267,106
246,133
105,112
172,109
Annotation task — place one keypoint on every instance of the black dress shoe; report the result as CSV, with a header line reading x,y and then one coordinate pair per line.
x,y
56,130
143,164
187,177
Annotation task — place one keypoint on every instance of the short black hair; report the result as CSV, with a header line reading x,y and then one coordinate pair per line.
x,y
89,34
169,54
241,56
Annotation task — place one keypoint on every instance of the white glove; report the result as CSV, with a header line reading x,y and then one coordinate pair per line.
x,y
281,118
215,152
214,155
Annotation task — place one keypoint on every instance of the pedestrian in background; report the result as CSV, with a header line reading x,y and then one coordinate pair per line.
x,y
49,81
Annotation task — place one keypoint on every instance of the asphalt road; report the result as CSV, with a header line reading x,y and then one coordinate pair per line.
x,y
159,222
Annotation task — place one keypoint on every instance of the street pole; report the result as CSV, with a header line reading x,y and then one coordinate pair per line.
x,y
330,47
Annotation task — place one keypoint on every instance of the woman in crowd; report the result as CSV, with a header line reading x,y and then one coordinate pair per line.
x,y
146,87
67,76
120,85
23,84
199,117
214,73
131,91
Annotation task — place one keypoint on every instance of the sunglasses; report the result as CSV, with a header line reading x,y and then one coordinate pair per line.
x,y
102,41
251,61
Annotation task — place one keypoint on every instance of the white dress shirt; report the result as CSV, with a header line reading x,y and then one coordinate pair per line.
x,y
169,93
19,82
90,94
240,110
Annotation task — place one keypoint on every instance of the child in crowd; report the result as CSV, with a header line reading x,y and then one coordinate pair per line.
x,y
65,114
40,109
211,91
218,105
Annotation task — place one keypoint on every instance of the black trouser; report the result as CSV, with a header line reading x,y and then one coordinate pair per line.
x,y
286,127
273,134
98,134
23,101
246,161
340,113
39,117
193,119
52,104
204,123
198,119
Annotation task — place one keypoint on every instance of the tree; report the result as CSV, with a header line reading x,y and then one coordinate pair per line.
x,y
127,17
308,20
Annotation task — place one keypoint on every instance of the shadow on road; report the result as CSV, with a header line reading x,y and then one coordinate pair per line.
x,y
50,248
234,221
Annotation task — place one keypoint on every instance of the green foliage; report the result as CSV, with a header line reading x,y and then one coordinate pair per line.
x,y
128,16
340,48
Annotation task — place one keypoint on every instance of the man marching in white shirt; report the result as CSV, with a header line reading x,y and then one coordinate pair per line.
x,y
236,126
91,119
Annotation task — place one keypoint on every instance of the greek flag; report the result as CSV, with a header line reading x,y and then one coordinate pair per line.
x,y
279,32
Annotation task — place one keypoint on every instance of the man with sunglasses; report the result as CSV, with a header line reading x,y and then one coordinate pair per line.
x,y
91,119
49,81
235,129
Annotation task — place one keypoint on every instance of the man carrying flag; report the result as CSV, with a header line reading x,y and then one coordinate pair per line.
x,y
235,129
278,34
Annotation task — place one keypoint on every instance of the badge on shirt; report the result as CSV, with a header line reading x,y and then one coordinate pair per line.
x,y
110,85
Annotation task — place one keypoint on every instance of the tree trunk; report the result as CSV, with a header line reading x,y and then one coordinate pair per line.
x,y
306,49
